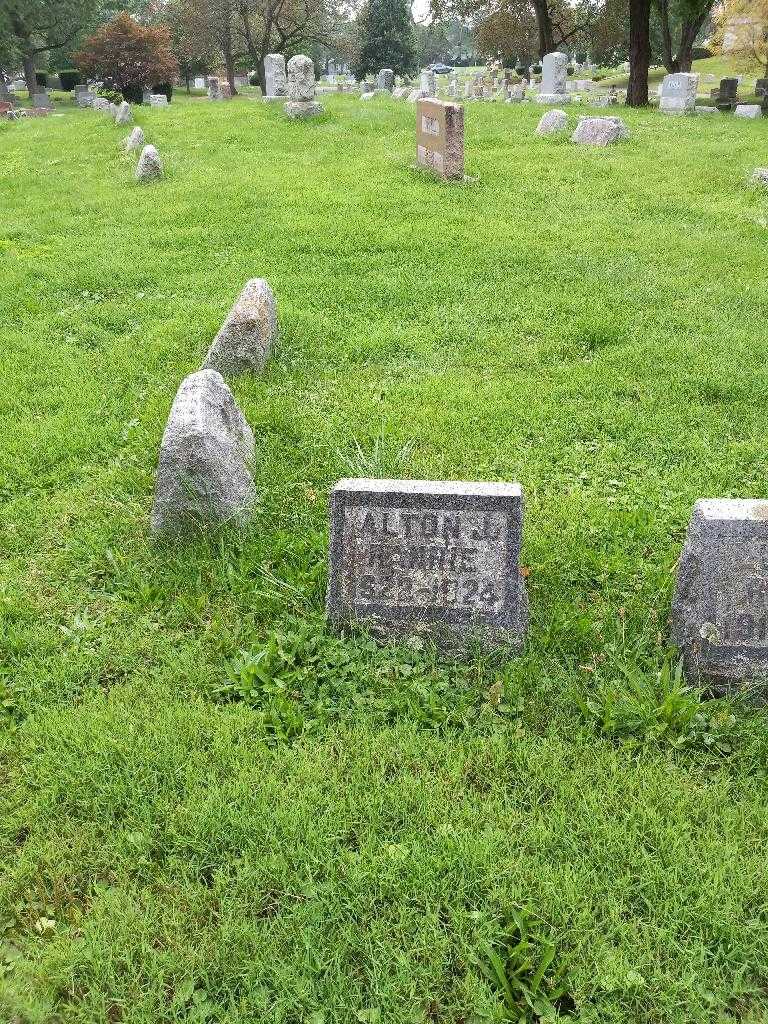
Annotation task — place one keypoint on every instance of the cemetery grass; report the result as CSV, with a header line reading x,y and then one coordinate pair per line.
x,y
213,810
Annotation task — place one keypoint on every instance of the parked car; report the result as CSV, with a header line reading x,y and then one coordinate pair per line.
x,y
440,69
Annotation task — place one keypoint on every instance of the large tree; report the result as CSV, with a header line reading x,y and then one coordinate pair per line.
x,y
558,23
680,22
283,26
128,56
32,28
386,38
639,52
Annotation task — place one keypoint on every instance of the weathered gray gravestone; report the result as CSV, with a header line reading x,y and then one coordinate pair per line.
x,y
158,99
247,335
385,80
720,607
203,475
554,75
678,93
435,558
760,176
124,115
600,131
275,82
214,88
301,88
133,141
749,110
41,101
150,165
552,122
101,103
428,83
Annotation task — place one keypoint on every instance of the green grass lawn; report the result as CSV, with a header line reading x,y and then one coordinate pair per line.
x,y
215,811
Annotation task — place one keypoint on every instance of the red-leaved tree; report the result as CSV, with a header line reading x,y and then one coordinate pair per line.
x,y
128,56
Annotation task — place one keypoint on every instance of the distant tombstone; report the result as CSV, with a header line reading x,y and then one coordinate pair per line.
x,y
203,474
600,131
275,81
367,95
124,115
435,558
247,335
750,110
158,99
83,96
720,607
41,101
704,109
729,88
554,76
150,165
366,87
553,122
133,141
385,80
414,96
428,83
401,92
678,93
453,89
760,176
440,138
146,97
761,87
301,88
214,88
225,91
101,103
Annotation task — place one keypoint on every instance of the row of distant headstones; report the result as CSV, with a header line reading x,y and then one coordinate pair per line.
x,y
441,558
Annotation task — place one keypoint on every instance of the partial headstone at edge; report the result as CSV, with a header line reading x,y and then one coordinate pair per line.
x,y
720,606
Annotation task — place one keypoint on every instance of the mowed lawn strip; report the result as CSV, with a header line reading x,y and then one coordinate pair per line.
x,y
214,810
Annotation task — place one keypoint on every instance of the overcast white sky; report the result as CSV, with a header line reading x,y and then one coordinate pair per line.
x,y
420,9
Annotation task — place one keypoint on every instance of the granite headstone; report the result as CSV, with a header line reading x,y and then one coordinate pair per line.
x,y
435,558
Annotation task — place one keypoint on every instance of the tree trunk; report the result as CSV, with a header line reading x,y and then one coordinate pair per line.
x,y
690,29
29,74
544,26
666,37
230,65
639,52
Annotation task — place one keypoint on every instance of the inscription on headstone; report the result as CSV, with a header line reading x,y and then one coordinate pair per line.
x,y
720,608
441,558
678,93
440,137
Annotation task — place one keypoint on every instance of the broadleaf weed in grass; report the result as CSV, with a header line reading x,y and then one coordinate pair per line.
x,y
304,676
638,708
523,967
